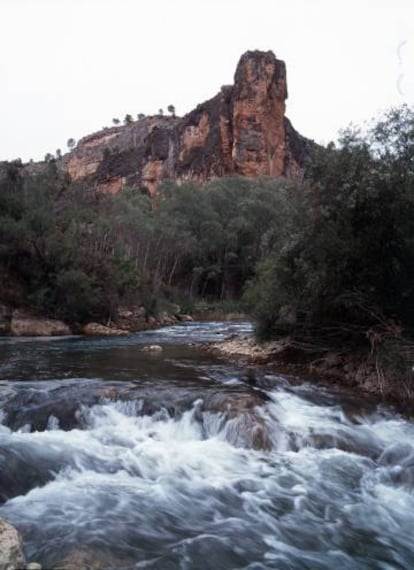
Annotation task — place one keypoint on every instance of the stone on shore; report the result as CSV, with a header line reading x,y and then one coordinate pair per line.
x,y
25,324
97,329
11,552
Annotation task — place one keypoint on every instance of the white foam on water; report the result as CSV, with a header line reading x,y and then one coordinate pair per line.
x,y
157,490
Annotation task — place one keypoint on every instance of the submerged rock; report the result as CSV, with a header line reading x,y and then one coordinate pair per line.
x,y
11,553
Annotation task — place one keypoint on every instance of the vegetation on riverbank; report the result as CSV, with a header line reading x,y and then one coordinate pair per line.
x,y
343,281
78,256
328,262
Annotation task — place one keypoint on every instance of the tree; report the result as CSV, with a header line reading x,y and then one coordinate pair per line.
x,y
58,153
140,116
128,119
171,109
71,143
160,112
349,264
49,157
116,121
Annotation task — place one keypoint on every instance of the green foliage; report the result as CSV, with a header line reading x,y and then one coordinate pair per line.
x,y
79,256
352,258
339,248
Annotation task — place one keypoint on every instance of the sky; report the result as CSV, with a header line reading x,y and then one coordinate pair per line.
x,y
68,67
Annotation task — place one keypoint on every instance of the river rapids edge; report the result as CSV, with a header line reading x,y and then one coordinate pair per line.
x,y
112,409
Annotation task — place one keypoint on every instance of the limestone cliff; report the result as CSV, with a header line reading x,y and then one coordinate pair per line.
x,y
242,130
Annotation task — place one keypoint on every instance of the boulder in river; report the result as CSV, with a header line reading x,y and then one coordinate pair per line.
x,y
237,415
11,553
26,324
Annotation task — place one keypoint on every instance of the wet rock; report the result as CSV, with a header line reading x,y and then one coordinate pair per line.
x,y
18,474
25,324
237,416
34,566
152,348
97,329
11,552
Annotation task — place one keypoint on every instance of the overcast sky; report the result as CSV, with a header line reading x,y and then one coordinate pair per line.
x,y
67,67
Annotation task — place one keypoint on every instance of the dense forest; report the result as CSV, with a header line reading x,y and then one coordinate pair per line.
x,y
331,257
70,253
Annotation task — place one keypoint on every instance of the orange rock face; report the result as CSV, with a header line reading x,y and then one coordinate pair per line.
x,y
242,130
258,116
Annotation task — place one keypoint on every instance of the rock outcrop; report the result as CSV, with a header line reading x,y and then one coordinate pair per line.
x,y
241,131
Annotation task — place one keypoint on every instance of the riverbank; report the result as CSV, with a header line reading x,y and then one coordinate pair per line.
x,y
351,369
22,322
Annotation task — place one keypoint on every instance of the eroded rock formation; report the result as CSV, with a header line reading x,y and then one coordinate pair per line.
x,y
241,131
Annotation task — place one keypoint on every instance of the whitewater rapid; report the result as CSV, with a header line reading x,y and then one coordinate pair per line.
x,y
121,484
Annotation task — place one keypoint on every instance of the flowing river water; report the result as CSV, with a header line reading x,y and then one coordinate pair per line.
x,y
111,457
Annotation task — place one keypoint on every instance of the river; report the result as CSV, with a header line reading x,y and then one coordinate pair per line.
x,y
112,457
